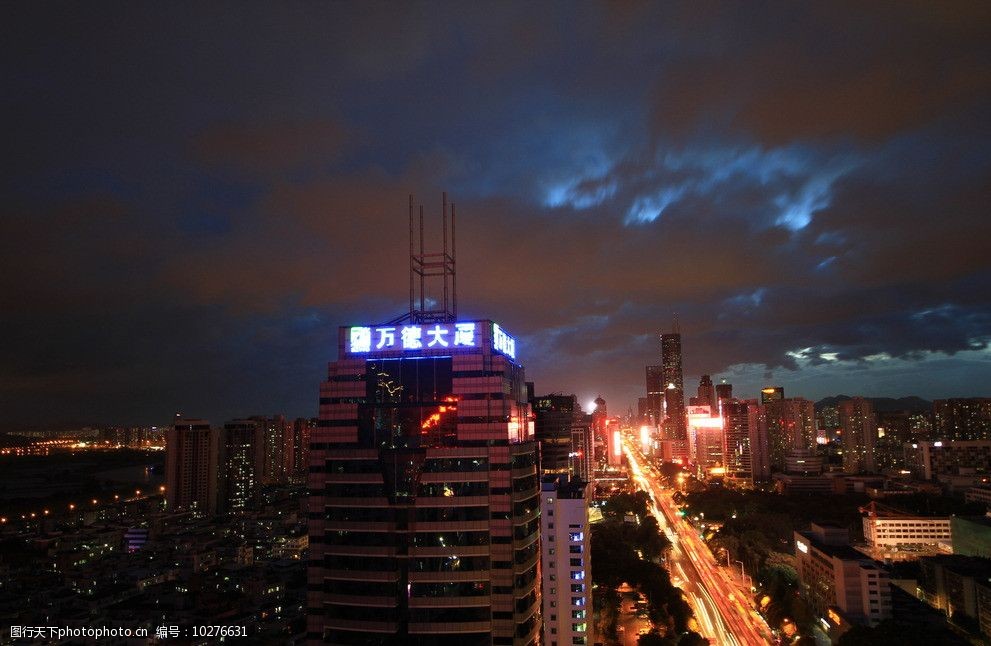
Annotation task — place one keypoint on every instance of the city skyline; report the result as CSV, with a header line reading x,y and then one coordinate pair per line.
x,y
187,220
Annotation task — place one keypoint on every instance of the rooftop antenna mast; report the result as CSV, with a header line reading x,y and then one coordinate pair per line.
x,y
433,287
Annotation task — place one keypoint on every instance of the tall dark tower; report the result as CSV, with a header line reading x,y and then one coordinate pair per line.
x,y
655,394
707,394
674,387
724,391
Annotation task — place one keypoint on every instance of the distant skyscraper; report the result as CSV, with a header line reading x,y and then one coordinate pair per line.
x,y
962,419
859,427
582,449
425,500
271,466
191,460
599,417
707,395
760,455
788,424
655,394
298,449
674,387
643,411
566,567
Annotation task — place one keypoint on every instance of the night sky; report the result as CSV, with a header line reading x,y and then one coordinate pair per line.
x,y
195,196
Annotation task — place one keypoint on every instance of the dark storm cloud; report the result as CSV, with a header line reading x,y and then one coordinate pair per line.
x,y
195,200
823,71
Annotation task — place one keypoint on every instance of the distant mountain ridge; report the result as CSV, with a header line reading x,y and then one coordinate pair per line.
x,y
883,404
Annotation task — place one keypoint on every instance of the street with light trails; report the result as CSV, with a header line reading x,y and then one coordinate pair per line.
x,y
720,604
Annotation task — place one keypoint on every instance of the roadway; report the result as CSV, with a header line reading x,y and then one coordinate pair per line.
x,y
721,605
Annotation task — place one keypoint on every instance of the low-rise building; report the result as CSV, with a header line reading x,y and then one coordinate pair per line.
x,y
842,586
959,586
900,532
971,536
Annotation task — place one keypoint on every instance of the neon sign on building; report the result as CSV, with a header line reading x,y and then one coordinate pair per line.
x,y
434,336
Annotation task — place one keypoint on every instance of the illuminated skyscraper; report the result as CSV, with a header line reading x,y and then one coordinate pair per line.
x,y
706,442
674,387
424,503
599,417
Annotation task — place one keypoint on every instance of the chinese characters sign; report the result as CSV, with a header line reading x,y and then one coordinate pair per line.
x,y
503,342
412,337
433,336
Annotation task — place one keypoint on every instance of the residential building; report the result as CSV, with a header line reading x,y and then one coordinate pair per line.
x,y
962,419
191,463
859,426
929,460
566,561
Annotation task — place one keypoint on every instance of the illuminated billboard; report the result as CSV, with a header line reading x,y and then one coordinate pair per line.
x,y
390,339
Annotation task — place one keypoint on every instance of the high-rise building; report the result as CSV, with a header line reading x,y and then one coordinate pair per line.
x,y
760,451
859,426
705,434
828,423
674,388
655,394
566,568
614,443
724,391
581,456
238,486
298,448
962,419
555,417
599,418
271,454
788,424
737,440
424,504
191,460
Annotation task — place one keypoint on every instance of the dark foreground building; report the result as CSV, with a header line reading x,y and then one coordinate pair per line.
x,y
424,496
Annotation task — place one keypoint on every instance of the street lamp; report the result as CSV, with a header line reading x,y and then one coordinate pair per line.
x,y
744,575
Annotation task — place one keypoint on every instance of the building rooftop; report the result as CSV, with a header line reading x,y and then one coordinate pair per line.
x,y
842,552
